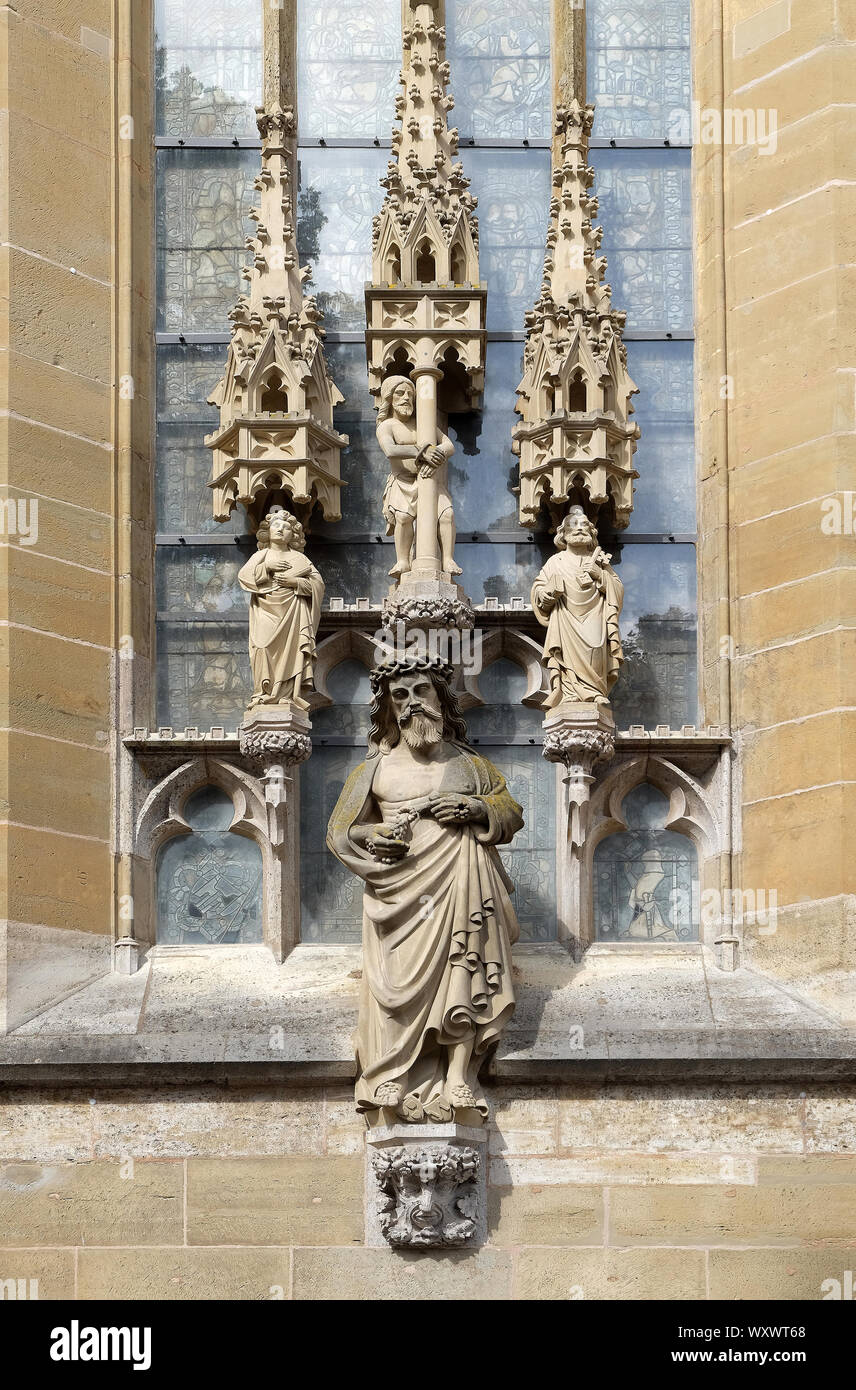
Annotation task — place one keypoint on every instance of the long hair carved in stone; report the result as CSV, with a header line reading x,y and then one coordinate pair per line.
x,y
419,822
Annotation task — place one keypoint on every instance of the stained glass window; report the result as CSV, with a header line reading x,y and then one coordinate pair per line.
x,y
646,877
348,59
638,55
203,197
645,211
513,189
638,77
331,897
339,195
658,681
208,58
209,883
500,56
509,734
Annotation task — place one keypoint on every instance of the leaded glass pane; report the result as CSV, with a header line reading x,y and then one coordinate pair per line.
x,y
530,860
499,52
208,66
646,877
201,580
204,676
348,60
658,682
513,189
186,376
638,55
664,494
645,210
348,717
363,463
203,197
209,883
331,906
502,686
339,195
483,470
361,570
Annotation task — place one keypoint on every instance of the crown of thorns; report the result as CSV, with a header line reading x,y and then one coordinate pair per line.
x,y
406,666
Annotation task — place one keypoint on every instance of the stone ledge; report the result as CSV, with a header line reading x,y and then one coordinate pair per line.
x,y
120,1074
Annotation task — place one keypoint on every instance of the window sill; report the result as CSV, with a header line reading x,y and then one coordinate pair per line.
x,y
233,1013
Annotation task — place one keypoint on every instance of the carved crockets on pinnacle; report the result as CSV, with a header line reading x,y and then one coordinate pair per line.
x,y
576,439
425,297
276,398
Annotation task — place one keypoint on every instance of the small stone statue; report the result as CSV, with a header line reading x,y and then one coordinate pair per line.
x,y
419,821
285,609
396,433
577,597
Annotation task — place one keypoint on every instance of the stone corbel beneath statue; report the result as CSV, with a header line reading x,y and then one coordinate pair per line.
x,y
580,736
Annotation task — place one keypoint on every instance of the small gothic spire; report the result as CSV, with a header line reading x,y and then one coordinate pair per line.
x,y
574,399
276,396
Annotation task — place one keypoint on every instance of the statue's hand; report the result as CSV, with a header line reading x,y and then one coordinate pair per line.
x,y
386,844
457,810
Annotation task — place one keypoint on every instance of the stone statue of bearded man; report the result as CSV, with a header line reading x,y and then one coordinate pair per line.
x,y
419,822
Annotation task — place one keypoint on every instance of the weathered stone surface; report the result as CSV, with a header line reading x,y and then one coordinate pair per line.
x,y
609,1274
808,1170
764,1215
525,1121
612,1168
45,1275
388,1276
35,766
344,1129
830,1119
91,1204
183,1123
274,1201
778,1275
191,1275
548,1214
689,1119
44,1128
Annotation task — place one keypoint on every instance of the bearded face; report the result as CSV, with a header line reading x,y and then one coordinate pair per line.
x,y
421,731
416,707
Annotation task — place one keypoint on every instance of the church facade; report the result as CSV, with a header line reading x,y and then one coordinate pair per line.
x,y
430,657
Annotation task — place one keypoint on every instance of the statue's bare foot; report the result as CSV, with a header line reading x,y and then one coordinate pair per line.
x,y
389,1094
452,568
401,568
461,1097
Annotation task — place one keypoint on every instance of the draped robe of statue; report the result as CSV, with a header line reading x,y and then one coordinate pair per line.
x,y
583,643
438,926
283,623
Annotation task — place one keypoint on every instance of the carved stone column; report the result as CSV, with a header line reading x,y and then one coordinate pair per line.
x,y
425,304
580,736
276,740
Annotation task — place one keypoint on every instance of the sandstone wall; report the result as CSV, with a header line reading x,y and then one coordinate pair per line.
x,y
597,1192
